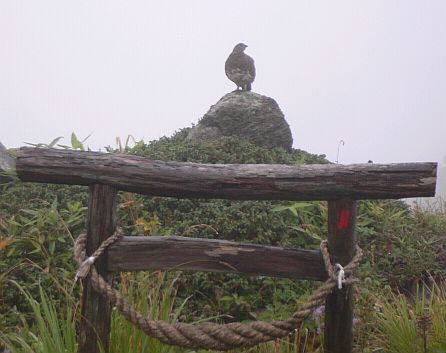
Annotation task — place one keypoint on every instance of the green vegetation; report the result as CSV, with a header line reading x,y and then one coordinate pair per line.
x,y
49,331
413,326
153,294
405,250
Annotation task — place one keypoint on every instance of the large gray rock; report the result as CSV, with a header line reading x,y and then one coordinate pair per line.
x,y
7,163
246,114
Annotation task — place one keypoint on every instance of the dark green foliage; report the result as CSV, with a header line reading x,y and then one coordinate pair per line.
x,y
248,221
223,150
237,297
403,246
41,221
18,195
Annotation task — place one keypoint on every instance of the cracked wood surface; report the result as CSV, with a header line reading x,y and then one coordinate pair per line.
x,y
228,181
134,253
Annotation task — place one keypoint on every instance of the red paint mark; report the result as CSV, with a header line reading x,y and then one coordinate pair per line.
x,y
343,219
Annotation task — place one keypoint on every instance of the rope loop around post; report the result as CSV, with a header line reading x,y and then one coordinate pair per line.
x,y
209,335
87,262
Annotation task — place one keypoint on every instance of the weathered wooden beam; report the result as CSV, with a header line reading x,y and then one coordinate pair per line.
x,y
180,253
342,242
229,181
96,310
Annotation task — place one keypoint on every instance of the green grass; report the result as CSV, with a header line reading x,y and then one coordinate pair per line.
x,y
152,294
399,322
52,331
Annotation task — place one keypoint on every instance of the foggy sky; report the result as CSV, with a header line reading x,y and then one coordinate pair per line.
x,y
371,73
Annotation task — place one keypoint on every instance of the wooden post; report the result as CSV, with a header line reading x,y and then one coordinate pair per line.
x,y
339,304
96,310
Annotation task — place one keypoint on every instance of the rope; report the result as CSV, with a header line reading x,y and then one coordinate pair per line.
x,y
209,335
80,253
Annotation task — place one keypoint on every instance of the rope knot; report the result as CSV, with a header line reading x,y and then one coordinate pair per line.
x,y
84,268
86,263
337,273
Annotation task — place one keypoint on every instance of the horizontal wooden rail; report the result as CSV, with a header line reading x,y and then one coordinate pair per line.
x,y
229,181
180,253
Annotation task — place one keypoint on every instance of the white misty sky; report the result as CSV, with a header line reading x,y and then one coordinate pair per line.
x,y
369,72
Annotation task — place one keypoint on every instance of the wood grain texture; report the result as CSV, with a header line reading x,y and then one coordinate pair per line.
x,y
342,242
229,181
180,253
96,310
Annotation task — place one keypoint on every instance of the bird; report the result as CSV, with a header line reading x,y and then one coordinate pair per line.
x,y
240,68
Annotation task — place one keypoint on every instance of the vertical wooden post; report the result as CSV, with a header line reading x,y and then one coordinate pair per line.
x,y
339,304
96,310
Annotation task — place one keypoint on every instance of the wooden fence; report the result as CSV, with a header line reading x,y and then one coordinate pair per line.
x,y
340,185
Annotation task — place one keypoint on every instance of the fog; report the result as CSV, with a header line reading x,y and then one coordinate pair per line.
x,y
370,73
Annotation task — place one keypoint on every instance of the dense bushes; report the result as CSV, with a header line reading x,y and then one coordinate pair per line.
x,y
403,245
236,297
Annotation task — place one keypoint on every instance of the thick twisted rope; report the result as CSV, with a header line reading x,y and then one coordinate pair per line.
x,y
209,335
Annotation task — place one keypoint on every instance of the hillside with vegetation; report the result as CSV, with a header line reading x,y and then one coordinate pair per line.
x,y
400,299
